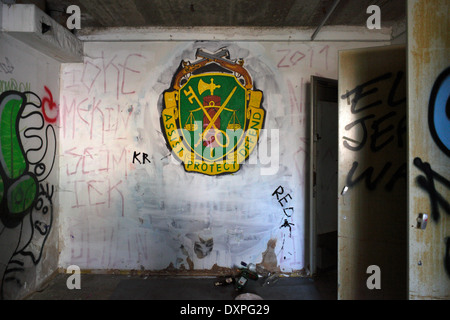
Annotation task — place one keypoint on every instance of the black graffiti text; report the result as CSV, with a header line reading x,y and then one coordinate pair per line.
x,y
144,157
283,199
6,66
359,93
388,176
380,128
381,125
427,183
34,150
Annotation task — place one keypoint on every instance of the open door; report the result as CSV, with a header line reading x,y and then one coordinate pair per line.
x,y
372,197
323,170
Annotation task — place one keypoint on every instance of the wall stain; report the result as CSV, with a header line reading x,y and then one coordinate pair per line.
x,y
429,33
269,258
203,247
190,263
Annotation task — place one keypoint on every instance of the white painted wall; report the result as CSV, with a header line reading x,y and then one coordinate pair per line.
x,y
119,215
29,250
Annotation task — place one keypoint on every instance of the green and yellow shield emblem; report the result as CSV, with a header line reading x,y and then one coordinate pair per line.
x,y
212,116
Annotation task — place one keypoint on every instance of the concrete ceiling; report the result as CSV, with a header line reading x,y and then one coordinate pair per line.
x,y
189,13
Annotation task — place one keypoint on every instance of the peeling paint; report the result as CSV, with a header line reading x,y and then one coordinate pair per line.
x,y
429,33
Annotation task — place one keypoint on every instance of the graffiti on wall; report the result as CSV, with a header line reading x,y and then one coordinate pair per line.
x,y
13,84
27,156
439,111
212,114
377,129
96,172
427,182
431,181
287,211
6,66
286,224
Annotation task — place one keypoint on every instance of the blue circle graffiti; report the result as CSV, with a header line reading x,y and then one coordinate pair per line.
x,y
439,111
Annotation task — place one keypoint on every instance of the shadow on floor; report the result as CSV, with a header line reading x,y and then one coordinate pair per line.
x,y
123,287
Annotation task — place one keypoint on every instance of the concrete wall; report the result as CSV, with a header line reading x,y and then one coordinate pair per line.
x,y
116,214
29,167
429,144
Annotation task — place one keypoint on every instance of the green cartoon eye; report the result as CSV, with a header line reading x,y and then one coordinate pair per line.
x,y
21,194
16,184
11,155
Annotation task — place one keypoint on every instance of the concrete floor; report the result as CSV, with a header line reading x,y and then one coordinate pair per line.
x,y
125,287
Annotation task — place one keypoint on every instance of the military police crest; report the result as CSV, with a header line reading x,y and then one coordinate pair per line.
x,y
212,115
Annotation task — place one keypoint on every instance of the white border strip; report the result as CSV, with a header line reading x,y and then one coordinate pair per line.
x,y
327,33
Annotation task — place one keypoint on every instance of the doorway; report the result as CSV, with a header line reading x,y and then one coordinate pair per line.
x,y
324,173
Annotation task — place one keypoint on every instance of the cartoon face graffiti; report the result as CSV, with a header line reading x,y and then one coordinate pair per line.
x,y
439,111
212,115
18,186
27,155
